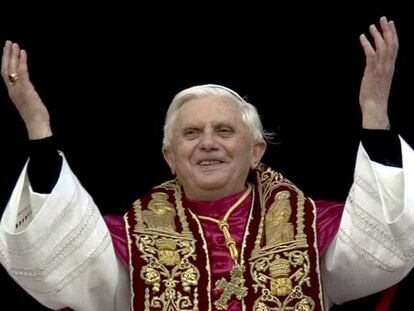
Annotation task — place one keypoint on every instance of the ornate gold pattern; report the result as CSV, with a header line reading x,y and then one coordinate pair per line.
x,y
278,227
171,300
280,284
176,188
267,180
167,253
305,304
160,214
280,267
233,287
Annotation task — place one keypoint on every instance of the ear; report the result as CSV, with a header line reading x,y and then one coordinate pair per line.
x,y
169,158
259,149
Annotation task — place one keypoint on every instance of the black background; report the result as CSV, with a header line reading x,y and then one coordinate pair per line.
x,y
108,74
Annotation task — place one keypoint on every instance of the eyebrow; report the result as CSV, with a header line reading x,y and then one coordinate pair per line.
x,y
216,124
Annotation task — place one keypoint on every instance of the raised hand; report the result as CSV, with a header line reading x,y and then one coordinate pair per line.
x,y
378,74
22,93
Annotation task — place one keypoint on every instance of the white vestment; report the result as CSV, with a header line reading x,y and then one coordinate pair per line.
x,y
374,248
58,248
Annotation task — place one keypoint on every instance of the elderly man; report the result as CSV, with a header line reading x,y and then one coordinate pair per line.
x,y
228,233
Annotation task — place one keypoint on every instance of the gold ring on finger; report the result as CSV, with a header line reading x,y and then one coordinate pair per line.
x,y
13,77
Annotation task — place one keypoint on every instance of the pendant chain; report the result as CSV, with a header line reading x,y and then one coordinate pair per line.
x,y
224,225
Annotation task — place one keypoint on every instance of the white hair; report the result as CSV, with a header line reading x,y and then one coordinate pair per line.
x,y
248,112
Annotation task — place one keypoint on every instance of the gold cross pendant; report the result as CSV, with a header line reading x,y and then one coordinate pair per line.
x,y
233,287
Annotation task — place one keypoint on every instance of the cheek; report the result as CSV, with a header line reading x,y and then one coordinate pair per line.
x,y
184,154
243,150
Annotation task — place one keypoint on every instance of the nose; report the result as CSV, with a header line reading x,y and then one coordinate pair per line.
x,y
208,142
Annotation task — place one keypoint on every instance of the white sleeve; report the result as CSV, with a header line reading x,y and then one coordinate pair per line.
x,y
58,248
374,247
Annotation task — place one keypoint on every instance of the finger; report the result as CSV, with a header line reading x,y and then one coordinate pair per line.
x,y
395,37
5,59
386,31
14,58
22,65
369,51
390,38
380,47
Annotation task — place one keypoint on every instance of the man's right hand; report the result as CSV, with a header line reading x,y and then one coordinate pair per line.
x,y
22,93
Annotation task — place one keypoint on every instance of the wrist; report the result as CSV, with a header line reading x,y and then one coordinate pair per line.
x,y
376,124
39,131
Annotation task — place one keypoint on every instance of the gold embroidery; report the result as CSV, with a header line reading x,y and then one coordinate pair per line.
x,y
282,294
280,267
160,214
189,277
167,253
305,304
151,277
300,237
267,181
171,300
174,185
195,308
139,226
146,302
280,270
233,287
260,306
278,227
280,284
165,273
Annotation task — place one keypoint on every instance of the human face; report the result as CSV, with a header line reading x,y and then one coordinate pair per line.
x,y
212,149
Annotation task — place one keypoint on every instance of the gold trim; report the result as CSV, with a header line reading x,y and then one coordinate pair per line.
x,y
321,293
205,248
131,267
246,235
138,216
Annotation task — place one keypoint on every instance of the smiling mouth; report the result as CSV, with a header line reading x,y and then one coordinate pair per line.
x,y
208,163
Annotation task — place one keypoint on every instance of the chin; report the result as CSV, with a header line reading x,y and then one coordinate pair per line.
x,y
214,179
207,184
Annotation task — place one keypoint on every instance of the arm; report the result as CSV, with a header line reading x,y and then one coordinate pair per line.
x,y
45,163
54,245
22,93
372,249
378,74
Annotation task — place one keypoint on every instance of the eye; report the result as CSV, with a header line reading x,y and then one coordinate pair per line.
x,y
225,131
191,133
